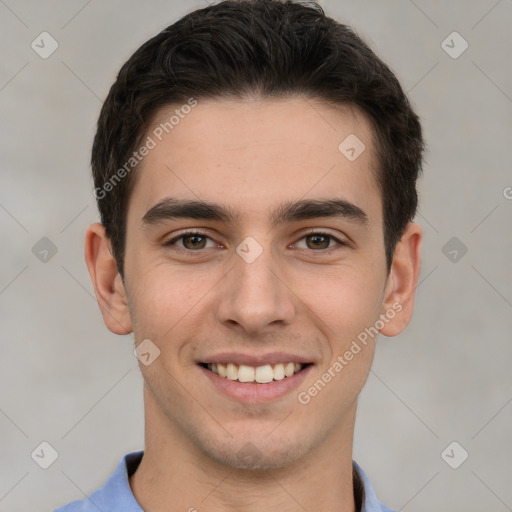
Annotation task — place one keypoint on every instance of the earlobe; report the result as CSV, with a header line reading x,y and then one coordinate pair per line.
x,y
398,301
108,285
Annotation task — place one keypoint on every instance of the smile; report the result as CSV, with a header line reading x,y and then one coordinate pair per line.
x,y
249,374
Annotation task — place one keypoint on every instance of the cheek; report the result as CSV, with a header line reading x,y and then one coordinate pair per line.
x,y
346,310
345,300
166,299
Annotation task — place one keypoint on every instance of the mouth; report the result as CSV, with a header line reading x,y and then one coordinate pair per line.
x,y
263,374
256,378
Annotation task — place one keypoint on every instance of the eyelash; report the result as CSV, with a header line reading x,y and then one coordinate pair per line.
x,y
199,233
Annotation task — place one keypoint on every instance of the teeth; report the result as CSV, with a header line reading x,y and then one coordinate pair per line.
x,y
261,374
232,371
245,373
221,369
264,374
289,369
279,372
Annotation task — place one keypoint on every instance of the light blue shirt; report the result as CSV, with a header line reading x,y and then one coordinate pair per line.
x,y
116,495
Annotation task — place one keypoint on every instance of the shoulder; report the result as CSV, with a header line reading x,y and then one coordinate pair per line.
x,y
115,495
85,505
369,502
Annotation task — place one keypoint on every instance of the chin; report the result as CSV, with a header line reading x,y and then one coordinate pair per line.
x,y
259,454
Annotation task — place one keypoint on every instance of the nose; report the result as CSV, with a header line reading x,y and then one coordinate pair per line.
x,y
255,296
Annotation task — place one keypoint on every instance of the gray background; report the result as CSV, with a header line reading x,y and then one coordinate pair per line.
x,y
67,381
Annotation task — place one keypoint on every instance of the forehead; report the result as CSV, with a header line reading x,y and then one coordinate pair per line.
x,y
252,154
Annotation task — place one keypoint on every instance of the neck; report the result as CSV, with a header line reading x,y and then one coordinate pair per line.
x,y
174,475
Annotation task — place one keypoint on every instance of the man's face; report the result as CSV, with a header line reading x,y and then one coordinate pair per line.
x,y
257,289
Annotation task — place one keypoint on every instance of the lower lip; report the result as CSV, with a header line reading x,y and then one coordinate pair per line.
x,y
252,392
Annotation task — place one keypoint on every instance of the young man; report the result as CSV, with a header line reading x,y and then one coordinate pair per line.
x,y
255,168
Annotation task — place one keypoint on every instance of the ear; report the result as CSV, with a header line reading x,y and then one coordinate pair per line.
x,y
107,282
402,281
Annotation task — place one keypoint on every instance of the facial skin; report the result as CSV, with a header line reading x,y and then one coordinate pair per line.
x,y
297,297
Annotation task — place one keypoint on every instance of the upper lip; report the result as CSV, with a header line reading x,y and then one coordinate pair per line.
x,y
255,360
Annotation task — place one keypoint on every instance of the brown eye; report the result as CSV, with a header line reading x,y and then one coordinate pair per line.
x,y
318,241
194,241
191,241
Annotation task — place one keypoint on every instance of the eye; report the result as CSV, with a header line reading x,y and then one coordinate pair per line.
x,y
194,241
191,241
318,241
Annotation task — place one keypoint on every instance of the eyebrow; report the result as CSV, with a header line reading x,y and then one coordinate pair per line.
x,y
172,208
